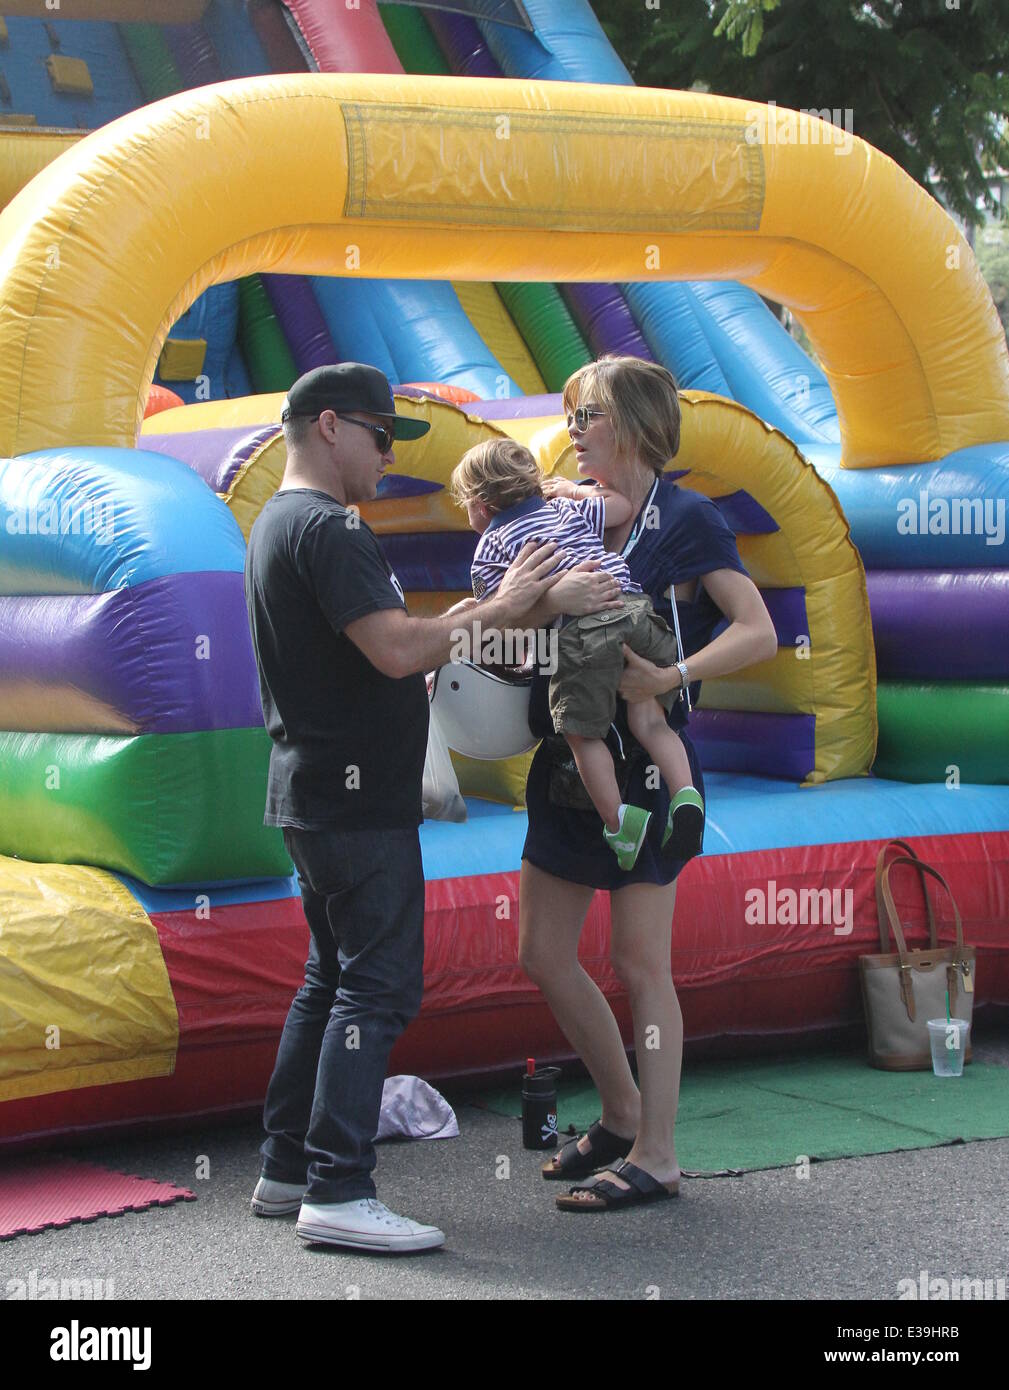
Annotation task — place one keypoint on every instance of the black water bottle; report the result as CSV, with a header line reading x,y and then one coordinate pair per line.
x,y
539,1106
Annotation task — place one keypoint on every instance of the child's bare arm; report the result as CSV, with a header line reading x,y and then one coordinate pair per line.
x,y
618,509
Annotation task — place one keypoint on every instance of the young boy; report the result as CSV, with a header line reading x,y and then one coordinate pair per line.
x,y
500,486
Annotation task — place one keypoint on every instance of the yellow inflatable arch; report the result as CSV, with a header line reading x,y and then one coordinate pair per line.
x,y
460,179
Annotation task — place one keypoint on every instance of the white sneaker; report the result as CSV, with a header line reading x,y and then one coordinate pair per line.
x,y
277,1198
365,1225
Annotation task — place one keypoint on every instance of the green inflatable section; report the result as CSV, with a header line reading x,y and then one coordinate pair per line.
x,y
165,808
264,347
152,60
416,47
927,730
550,333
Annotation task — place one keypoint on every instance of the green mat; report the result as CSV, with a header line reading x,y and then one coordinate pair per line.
x,y
735,1116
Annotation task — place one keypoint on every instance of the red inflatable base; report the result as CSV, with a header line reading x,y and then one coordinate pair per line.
x,y
752,956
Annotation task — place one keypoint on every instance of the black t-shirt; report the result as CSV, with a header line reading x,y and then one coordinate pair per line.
x,y
348,742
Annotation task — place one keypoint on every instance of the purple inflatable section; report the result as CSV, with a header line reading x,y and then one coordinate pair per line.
x,y
745,515
766,745
516,408
194,53
217,454
927,622
173,655
463,45
787,610
605,320
297,309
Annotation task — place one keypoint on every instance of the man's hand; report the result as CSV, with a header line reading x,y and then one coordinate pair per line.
x,y
643,680
528,577
585,589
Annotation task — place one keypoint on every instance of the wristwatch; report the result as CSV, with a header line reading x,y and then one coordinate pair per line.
x,y
681,666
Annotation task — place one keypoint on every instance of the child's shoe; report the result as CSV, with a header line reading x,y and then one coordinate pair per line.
x,y
627,839
685,824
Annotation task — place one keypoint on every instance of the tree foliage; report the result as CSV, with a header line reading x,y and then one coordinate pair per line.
x,y
993,259
926,82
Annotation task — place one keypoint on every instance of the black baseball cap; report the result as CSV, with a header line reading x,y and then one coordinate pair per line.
x,y
349,386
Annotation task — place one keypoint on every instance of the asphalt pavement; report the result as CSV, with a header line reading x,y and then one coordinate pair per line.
x,y
854,1229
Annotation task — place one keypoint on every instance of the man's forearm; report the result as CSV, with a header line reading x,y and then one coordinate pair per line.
x,y
431,642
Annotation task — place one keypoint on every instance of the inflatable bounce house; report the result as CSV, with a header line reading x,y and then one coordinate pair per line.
x,y
216,195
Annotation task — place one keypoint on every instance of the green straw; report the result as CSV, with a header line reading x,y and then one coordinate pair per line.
x,y
947,1006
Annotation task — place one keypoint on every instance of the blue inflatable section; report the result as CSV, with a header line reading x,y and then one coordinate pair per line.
x,y
124,516
23,65
953,514
413,330
765,367
673,326
237,381
568,45
745,814
239,52
213,317
349,307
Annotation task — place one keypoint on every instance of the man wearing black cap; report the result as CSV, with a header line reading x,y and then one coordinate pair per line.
x,y
344,699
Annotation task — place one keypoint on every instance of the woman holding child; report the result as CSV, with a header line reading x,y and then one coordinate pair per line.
x,y
624,421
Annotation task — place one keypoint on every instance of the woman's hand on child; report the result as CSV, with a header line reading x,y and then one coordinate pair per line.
x,y
643,680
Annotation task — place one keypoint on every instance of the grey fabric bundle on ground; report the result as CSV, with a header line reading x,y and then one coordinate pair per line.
x,y
411,1109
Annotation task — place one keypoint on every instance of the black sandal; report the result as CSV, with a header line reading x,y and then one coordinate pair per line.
x,y
570,1162
643,1188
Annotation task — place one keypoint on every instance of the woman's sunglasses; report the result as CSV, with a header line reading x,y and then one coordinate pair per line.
x,y
582,418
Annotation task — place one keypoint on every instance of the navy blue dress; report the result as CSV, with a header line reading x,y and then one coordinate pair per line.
x,y
687,537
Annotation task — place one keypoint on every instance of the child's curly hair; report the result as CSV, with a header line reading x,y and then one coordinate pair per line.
x,y
498,472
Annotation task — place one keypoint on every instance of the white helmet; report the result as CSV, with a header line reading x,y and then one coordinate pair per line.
x,y
482,714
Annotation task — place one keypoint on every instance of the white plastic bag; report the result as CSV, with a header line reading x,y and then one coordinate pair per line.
x,y
442,797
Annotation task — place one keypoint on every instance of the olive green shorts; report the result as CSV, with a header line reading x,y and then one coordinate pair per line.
x,y
590,664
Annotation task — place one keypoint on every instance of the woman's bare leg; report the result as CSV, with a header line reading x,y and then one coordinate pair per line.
x,y
551,916
641,917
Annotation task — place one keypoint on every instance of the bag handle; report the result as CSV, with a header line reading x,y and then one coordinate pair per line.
x,y
891,909
881,912
906,984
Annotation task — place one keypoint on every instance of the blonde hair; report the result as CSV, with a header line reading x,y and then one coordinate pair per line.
x,y
498,472
641,401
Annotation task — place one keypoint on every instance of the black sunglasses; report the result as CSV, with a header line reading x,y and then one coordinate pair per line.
x,y
383,437
582,418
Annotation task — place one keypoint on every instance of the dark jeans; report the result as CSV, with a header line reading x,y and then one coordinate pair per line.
x,y
363,892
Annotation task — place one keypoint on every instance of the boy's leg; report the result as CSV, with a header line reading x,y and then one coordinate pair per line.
x,y
595,767
646,720
684,832
583,701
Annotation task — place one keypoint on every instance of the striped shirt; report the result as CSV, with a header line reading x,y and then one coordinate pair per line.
x,y
576,525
